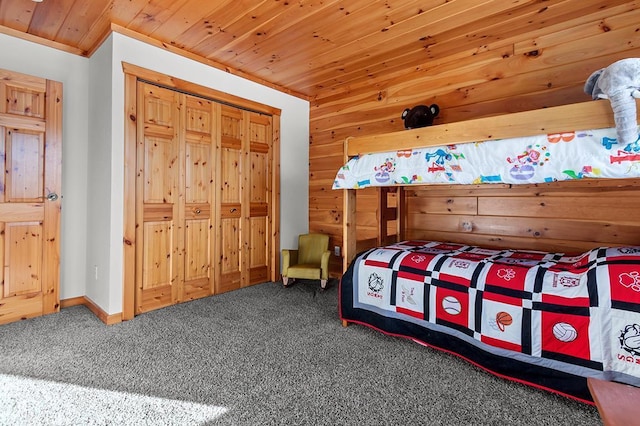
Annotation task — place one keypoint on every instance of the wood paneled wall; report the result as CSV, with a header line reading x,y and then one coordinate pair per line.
x,y
469,76
566,218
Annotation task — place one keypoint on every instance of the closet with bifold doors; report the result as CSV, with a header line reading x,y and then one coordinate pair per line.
x,y
205,204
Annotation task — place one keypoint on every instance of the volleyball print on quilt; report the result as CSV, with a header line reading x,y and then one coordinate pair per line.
x,y
569,314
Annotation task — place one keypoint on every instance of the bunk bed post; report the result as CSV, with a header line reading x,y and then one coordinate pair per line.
x,y
401,212
382,215
349,235
349,228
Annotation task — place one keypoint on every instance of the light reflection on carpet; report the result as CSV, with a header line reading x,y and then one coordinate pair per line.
x,y
28,401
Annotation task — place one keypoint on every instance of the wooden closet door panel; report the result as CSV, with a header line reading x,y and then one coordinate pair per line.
x,y
230,271
159,156
24,180
157,207
199,160
258,254
157,271
231,199
260,136
198,172
22,250
30,154
25,97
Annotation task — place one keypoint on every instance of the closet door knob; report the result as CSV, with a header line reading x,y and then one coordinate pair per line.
x,y
198,211
52,196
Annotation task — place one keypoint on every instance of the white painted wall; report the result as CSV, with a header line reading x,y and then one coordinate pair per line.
x,y
73,71
93,151
99,191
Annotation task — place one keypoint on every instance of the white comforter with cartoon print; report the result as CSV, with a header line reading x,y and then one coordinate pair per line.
x,y
534,159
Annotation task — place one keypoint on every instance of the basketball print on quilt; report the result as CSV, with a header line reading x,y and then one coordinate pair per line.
x,y
506,303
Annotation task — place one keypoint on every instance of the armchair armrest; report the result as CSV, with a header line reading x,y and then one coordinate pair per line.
x,y
324,265
289,258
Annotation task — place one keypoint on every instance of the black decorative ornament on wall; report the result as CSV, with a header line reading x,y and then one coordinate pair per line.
x,y
420,116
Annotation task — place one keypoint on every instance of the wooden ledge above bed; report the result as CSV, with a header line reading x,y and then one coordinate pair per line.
x,y
581,116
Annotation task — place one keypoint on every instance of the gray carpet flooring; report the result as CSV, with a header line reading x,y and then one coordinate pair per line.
x,y
263,355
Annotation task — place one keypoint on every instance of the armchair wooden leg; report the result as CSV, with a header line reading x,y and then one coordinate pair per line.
x,y
323,283
285,280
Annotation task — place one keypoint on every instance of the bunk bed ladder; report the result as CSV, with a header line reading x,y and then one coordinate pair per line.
x,y
387,214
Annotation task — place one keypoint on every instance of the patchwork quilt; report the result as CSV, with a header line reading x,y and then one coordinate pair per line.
x,y
533,159
546,319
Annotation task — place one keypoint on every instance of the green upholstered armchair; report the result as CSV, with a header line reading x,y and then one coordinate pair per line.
x,y
309,261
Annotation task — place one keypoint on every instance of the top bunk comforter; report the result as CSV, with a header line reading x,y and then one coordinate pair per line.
x,y
533,159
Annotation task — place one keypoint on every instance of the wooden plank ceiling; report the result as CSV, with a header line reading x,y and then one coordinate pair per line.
x,y
311,48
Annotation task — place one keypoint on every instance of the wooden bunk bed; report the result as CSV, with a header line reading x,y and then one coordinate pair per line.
x,y
585,115
587,252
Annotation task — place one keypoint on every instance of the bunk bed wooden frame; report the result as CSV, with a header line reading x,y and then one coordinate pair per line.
x,y
584,115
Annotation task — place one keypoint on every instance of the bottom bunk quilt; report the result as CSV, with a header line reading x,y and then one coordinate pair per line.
x,y
545,319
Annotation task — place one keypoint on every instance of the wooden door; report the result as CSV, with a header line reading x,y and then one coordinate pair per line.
x,y
232,216
175,158
201,203
157,204
198,197
260,195
245,195
203,192
31,150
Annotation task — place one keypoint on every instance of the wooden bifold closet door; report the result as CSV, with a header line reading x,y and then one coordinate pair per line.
x,y
244,193
202,197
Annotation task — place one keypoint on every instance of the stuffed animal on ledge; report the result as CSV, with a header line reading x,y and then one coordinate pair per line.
x,y
420,116
620,83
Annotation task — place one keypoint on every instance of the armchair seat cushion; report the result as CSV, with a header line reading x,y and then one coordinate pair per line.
x,y
309,272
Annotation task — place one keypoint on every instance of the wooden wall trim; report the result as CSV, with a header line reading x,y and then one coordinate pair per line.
x,y
275,199
42,41
175,83
129,225
53,208
108,319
